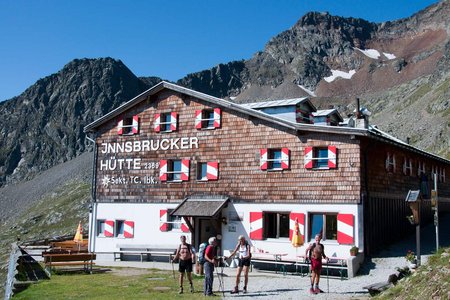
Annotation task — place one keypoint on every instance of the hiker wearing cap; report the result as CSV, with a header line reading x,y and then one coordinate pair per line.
x,y
185,255
316,254
210,262
243,248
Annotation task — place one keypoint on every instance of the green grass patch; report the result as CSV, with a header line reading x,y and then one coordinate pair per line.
x,y
119,283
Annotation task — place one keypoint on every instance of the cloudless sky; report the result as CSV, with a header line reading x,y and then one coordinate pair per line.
x,y
164,38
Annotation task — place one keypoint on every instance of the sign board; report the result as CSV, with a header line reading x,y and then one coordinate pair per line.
x,y
413,196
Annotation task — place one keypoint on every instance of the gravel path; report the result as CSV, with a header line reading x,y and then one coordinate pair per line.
x,y
268,285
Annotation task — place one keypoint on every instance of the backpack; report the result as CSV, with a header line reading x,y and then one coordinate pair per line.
x,y
312,249
201,253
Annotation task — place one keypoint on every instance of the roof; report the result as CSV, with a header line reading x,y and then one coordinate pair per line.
x,y
299,127
275,103
327,112
207,206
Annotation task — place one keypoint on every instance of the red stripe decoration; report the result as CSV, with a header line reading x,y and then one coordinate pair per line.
x,y
109,228
308,157
332,157
184,227
217,117
256,225
301,224
163,170
157,123
135,128
128,229
173,121
163,226
263,159
185,169
212,170
345,229
284,158
198,119
120,127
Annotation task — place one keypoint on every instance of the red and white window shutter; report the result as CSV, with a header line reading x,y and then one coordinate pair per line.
x,y
212,170
217,117
163,170
163,225
256,225
184,227
128,229
285,158
135,126
157,123
345,229
308,158
301,224
185,169
332,153
120,127
173,121
109,228
198,119
263,159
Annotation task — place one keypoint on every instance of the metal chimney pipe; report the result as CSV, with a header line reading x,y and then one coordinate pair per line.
x,y
358,113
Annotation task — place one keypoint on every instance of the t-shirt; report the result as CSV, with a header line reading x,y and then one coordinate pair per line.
x,y
210,252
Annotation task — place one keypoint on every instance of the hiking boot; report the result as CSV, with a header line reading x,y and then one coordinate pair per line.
x,y
312,291
316,291
235,291
245,290
192,288
181,291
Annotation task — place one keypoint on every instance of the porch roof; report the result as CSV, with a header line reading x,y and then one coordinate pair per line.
x,y
200,206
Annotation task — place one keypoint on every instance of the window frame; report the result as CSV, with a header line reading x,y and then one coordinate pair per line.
x,y
390,163
208,118
174,223
101,233
312,157
267,229
117,232
324,229
171,172
407,166
128,125
421,168
441,174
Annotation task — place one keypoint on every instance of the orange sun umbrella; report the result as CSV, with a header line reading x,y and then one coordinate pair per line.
x,y
79,235
297,239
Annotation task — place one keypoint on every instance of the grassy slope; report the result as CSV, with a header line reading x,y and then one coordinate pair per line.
x,y
56,214
430,281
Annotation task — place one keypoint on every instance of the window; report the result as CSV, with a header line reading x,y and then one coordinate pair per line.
x,y
174,222
166,122
302,116
274,159
276,225
442,174
128,126
407,167
120,228
421,169
320,157
323,224
390,162
208,118
434,172
207,171
174,170
101,228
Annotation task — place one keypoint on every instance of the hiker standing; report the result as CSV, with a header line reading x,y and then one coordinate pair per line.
x,y
185,255
210,261
244,262
316,253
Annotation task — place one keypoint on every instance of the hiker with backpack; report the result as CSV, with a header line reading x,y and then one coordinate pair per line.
x,y
316,253
186,257
244,262
210,261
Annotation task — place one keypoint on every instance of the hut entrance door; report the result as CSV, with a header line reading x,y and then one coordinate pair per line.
x,y
209,227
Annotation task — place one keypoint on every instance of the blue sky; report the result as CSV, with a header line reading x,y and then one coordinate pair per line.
x,y
168,39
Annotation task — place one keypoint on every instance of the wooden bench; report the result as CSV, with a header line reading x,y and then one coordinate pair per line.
x,y
86,260
143,251
273,259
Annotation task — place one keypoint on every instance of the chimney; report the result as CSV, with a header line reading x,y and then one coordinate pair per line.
x,y
358,108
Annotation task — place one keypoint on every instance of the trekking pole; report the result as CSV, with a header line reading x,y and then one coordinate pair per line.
x,y
328,280
173,270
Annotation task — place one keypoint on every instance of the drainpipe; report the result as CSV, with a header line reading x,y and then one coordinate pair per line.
x,y
92,204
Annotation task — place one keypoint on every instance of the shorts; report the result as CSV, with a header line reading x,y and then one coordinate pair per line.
x,y
316,265
244,262
185,266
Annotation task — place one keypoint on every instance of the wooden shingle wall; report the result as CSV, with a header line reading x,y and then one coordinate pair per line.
x,y
236,146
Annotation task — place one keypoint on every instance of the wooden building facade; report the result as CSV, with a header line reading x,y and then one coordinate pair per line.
x,y
175,161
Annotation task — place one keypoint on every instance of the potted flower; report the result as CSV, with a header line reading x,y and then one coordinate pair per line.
x,y
411,259
354,251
